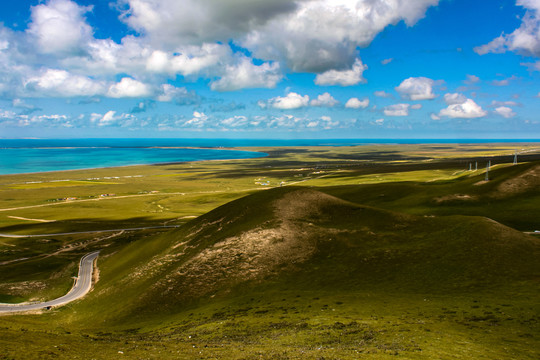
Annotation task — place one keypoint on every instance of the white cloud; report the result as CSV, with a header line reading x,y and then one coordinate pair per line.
x,y
246,75
355,103
191,39
504,103
289,102
455,98
397,110
198,120
128,87
435,117
416,106
285,121
180,95
169,92
524,40
343,77
387,61
324,100
535,66
54,82
496,46
107,119
324,35
328,123
419,88
59,27
171,22
235,121
505,112
189,60
21,104
313,36
466,110
382,93
112,119
472,79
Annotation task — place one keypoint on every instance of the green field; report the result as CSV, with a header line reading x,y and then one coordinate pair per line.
x,y
372,252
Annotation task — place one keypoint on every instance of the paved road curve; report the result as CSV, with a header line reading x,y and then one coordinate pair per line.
x,y
82,287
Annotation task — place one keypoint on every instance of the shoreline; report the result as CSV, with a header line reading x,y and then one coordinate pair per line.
x,y
139,164
262,149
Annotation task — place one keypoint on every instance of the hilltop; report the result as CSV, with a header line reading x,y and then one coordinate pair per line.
x,y
304,239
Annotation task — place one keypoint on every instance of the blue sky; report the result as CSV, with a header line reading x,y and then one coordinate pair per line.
x,y
270,69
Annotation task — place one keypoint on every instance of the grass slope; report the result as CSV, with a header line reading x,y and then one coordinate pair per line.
x,y
307,240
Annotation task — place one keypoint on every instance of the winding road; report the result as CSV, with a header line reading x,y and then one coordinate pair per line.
x,y
82,286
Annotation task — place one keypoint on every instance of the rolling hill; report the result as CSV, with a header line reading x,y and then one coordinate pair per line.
x,y
303,239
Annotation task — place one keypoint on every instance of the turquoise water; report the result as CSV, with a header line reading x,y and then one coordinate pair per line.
x,y
56,157
39,155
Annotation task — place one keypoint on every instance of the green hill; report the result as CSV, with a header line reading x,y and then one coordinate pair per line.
x,y
303,239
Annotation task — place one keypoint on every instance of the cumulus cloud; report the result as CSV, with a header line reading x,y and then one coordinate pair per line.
x,y
416,106
455,98
107,119
524,40
472,79
535,66
355,103
112,119
180,95
196,21
197,121
189,60
246,75
316,35
54,82
397,110
324,100
58,26
128,87
387,61
348,77
416,88
382,93
505,112
466,110
235,121
289,102
323,35
58,54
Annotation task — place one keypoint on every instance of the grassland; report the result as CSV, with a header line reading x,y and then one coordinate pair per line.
x,y
326,252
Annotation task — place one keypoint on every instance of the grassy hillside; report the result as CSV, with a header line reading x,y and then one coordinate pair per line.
x,y
302,238
511,196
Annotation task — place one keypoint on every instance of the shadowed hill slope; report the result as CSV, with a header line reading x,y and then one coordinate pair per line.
x,y
511,197
305,239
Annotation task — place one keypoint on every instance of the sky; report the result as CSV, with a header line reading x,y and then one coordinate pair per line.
x,y
270,69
